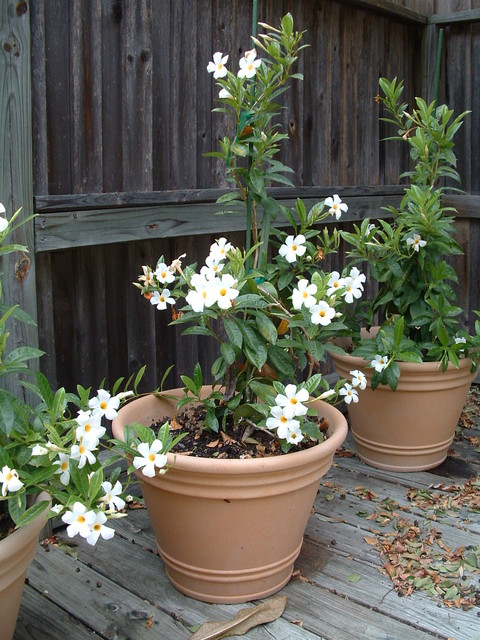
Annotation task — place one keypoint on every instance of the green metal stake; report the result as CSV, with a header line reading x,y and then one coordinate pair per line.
x,y
437,69
248,238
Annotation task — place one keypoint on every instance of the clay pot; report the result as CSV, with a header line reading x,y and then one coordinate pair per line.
x,y
230,530
412,428
16,552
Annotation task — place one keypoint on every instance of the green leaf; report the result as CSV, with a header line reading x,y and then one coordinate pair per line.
x,y
266,327
33,513
257,356
233,332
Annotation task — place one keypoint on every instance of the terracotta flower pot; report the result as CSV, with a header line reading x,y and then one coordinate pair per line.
x,y
16,552
230,530
412,428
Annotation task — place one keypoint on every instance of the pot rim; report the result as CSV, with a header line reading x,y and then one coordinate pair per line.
x,y
337,432
432,367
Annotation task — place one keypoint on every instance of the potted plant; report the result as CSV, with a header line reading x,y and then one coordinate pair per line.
x,y
230,525
420,347
49,465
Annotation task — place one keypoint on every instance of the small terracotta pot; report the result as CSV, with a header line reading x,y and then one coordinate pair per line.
x,y
412,428
230,530
16,552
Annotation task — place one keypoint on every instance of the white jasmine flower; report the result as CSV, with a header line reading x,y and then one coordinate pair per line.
x,y
248,64
150,457
147,277
112,495
224,93
219,249
98,528
63,468
335,283
359,379
217,67
304,294
349,393
213,267
416,242
89,428
336,206
176,264
161,299
322,313
105,404
353,289
293,247
57,509
294,436
79,520
226,291
370,228
358,277
83,452
52,447
38,450
327,394
282,420
379,362
460,340
124,394
163,273
10,480
293,400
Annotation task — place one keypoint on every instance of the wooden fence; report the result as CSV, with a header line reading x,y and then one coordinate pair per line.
x,y
107,118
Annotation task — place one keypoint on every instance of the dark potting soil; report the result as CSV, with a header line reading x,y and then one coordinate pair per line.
x,y
239,440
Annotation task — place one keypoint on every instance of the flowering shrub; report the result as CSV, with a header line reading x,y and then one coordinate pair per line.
x,y
55,445
408,257
270,306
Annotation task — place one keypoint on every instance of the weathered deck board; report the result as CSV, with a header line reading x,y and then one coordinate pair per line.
x,y
119,589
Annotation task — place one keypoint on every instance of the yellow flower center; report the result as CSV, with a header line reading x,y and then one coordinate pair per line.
x,y
294,247
87,428
223,291
283,419
64,466
8,477
103,405
151,457
293,401
97,527
322,313
80,519
304,294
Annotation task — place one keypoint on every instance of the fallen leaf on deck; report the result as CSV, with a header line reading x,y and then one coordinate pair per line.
x,y
245,620
354,577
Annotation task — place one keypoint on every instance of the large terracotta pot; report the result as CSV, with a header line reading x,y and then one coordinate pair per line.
x,y
230,530
16,553
412,428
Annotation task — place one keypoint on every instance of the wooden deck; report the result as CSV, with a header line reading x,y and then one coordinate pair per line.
x,y
119,589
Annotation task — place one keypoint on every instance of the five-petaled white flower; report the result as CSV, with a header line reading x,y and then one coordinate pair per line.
x,y
283,421
349,393
160,299
79,520
379,362
164,274
83,452
150,457
359,379
293,247
98,528
226,290
203,294
416,242
10,480
112,495
293,400
147,277
335,206
105,404
358,277
63,468
322,313
304,294
213,266
219,249
89,428
335,283
248,64
352,289
217,66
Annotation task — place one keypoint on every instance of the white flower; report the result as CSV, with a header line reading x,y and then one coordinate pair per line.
x,y
336,206
226,291
83,452
213,267
379,362
163,273
112,495
293,247
327,394
359,379
294,436
176,264
224,93
304,295
147,277
202,295
335,283
353,289
89,428
161,299
150,458
358,277
79,520
350,394
38,450
322,313
105,404
370,228
248,65
57,509
460,340
416,242
63,468
3,221
98,528
282,420
10,480
217,67
219,249
293,400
